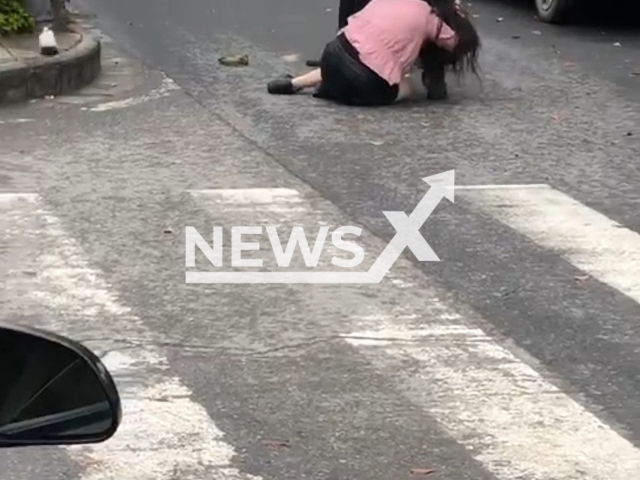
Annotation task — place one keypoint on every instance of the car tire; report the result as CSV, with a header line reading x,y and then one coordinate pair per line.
x,y
554,11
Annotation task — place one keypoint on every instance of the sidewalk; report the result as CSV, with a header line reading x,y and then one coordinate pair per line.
x,y
26,74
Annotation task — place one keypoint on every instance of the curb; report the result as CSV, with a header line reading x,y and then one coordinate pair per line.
x,y
52,76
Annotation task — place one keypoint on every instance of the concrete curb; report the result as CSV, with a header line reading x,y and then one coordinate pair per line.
x,y
46,76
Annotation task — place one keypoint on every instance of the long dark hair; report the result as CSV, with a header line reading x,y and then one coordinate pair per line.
x,y
465,55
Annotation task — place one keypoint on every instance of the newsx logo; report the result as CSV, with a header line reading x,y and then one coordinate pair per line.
x,y
407,236
283,257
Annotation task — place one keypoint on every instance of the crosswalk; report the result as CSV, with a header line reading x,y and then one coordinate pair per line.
x,y
507,413
595,244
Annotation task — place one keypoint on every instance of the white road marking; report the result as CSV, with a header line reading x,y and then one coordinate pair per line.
x,y
249,196
501,187
514,422
17,121
9,198
584,237
165,434
280,203
164,90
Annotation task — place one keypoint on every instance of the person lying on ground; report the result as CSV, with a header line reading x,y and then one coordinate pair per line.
x,y
432,60
368,63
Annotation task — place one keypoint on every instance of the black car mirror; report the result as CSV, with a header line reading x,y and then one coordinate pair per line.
x,y
53,391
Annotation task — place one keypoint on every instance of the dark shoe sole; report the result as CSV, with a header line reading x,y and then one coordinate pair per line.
x,y
437,95
281,86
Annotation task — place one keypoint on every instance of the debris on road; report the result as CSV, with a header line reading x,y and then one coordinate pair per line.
x,y
617,44
48,44
423,471
516,37
499,19
294,57
375,143
581,278
558,117
276,443
234,60
536,32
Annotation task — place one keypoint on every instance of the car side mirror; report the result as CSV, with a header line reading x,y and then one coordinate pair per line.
x,y
53,391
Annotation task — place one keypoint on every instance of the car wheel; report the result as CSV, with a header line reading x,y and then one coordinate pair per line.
x,y
553,11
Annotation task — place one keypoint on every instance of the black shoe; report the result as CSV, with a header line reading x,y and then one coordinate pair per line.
x,y
281,86
322,93
437,91
313,63
436,85
434,80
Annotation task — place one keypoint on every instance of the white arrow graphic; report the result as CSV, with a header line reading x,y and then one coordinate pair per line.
x,y
407,236
408,228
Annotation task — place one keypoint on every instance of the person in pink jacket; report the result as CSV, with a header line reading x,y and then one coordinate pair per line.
x,y
368,63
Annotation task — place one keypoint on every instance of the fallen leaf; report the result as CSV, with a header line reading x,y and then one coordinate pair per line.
x,y
276,443
168,231
557,117
234,60
422,471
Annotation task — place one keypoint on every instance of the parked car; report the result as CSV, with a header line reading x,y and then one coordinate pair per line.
x,y
554,11
53,391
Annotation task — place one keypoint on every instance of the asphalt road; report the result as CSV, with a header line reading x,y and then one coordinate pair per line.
x,y
515,357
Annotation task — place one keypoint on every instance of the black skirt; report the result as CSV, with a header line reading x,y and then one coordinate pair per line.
x,y
345,79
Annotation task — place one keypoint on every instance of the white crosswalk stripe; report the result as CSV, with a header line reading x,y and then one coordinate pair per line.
x,y
509,416
505,413
589,240
499,408
164,433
